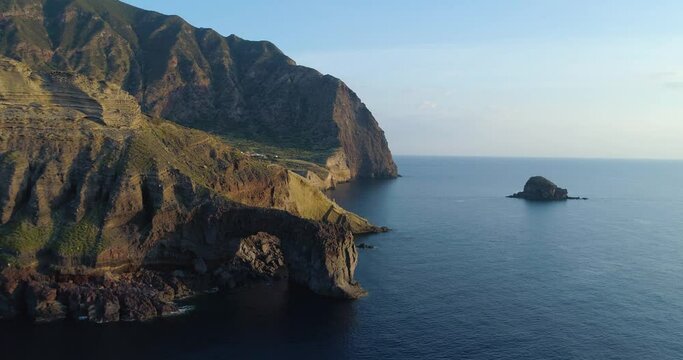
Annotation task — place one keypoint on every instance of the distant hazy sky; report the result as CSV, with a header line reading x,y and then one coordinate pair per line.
x,y
512,78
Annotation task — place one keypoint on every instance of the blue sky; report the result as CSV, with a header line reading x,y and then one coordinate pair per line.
x,y
487,78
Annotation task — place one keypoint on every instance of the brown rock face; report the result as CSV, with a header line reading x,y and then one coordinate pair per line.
x,y
138,296
248,242
258,257
200,79
91,184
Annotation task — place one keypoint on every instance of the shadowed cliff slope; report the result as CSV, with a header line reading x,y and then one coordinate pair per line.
x,y
86,179
196,77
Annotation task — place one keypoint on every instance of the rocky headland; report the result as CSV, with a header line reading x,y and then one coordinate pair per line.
x,y
538,188
108,214
143,160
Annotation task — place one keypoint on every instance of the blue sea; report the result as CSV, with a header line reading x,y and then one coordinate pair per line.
x,y
464,273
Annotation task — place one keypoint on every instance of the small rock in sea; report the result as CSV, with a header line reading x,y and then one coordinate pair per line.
x,y
200,266
364,246
538,188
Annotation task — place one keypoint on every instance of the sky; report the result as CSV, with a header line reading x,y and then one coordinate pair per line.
x,y
533,78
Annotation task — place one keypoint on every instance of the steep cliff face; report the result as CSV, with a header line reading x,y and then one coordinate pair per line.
x,y
87,181
198,78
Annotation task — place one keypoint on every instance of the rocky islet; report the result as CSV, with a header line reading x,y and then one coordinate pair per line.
x,y
538,188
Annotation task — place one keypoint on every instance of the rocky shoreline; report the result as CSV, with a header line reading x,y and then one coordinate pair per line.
x,y
109,297
142,294
137,296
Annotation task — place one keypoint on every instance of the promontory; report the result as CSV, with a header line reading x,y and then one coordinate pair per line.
x,y
143,160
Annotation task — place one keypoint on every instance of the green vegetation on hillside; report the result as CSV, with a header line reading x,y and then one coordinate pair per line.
x,y
24,238
318,157
313,204
79,239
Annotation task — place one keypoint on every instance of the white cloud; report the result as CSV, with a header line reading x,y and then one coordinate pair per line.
x,y
428,105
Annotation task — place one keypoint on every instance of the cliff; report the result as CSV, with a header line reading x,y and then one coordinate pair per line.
x,y
90,185
247,91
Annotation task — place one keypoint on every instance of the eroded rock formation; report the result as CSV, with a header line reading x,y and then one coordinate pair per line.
x,y
91,185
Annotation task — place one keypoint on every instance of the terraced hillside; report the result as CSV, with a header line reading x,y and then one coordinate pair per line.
x,y
87,180
246,91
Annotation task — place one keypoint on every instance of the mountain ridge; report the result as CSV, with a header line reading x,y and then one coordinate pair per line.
x,y
194,76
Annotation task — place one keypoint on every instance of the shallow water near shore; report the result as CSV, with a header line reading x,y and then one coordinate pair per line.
x,y
464,273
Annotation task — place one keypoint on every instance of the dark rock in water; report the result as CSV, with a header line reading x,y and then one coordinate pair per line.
x,y
364,246
200,266
538,188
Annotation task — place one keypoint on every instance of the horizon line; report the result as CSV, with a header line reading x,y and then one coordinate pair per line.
x,y
538,157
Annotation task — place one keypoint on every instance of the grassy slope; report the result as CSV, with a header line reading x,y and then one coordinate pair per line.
x,y
313,204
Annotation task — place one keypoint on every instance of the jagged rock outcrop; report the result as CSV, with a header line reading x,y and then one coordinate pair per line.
x,y
200,79
538,188
97,297
90,182
258,257
321,257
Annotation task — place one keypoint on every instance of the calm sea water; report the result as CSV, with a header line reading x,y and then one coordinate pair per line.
x,y
465,273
